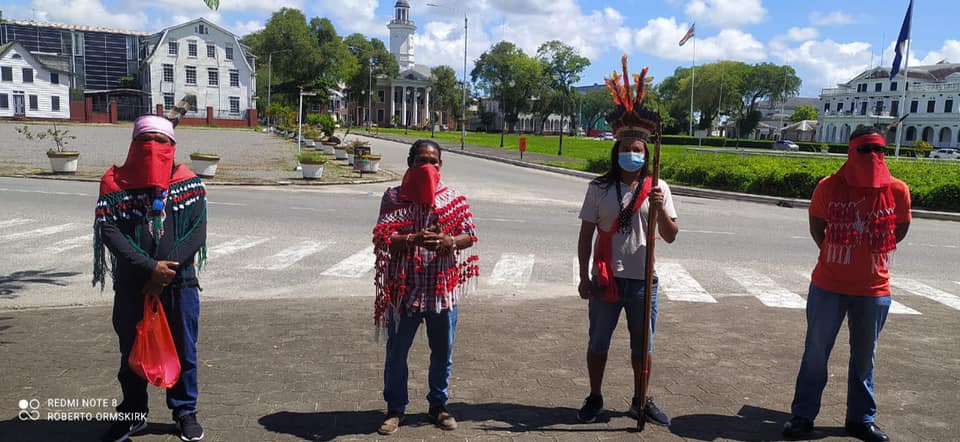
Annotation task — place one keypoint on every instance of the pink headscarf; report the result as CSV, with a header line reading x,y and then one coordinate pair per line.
x,y
153,123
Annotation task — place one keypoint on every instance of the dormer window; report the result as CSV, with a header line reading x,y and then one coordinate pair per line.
x,y
201,29
16,57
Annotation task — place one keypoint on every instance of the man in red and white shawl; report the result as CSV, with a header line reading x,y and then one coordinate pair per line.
x,y
423,266
857,217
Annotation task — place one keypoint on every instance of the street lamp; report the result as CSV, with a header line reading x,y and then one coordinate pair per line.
x,y
408,95
369,95
270,81
503,113
463,86
300,124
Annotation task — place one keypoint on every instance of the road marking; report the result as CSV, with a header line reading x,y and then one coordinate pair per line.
x,y
679,285
920,289
36,233
354,266
289,256
215,203
15,222
45,192
710,232
513,269
576,269
236,245
764,288
502,220
70,244
895,307
312,209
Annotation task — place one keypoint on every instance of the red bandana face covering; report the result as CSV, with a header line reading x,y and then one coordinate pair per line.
x,y
148,165
420,184
866,169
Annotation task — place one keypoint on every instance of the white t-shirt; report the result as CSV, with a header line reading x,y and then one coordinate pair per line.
x,y
629,249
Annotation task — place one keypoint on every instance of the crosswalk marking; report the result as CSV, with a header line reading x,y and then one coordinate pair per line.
x,y
70,244
576,269
764,288
513,269
14,222
36,233
678,285
895,307
354,266
236,245
920,289
289,256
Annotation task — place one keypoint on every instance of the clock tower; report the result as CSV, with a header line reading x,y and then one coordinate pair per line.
x,y
401,35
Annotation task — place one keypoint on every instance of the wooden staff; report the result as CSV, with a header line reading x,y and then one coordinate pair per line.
x,y
646,362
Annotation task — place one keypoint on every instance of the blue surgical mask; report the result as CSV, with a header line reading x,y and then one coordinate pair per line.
x,y
630,161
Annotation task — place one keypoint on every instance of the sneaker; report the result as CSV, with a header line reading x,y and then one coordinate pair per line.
x,y
441,418
122,430
591,408
652,412
391,423
798,428
190,429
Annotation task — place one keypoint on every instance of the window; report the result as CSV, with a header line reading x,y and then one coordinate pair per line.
x,y
826,107
380,116
228,52
213,77
168,101
6,73
131,47
172,48
930,106
913,106
4,101
27,75
54,78
211,51
895,108
191,75
893,85
55,103
168,73
380,96
201,29
77,43
191,48
948,106
234,105
34,105
877,87
839,107
234,78
863,108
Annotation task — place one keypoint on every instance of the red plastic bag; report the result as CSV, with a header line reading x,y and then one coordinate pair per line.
x,y
154,356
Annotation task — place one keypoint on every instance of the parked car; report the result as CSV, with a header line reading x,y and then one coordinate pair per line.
x,y
605,136
946,152
786,145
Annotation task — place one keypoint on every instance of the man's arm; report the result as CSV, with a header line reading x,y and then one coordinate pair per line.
x,y
584,249
901,231
120,246
818,229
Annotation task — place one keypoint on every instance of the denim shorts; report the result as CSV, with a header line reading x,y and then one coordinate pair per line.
x,y
605,315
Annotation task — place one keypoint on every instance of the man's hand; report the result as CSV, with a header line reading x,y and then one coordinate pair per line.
x,y
585,288
656,198
164,273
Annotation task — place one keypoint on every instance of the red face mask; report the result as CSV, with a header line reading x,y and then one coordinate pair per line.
x,y
149,164
866,169
420,184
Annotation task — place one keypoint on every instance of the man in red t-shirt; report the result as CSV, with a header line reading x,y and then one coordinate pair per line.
x,y
857,217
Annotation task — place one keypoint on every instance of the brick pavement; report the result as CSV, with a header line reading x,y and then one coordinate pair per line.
x,y
310,369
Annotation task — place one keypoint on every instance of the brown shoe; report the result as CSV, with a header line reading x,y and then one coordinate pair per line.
x,y
391,423
442,419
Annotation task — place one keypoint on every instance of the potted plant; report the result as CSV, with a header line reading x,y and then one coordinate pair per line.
x,y
369,163
204,164
353,146
61,160
311,163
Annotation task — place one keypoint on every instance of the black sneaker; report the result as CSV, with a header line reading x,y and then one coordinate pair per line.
x,y
798,428
122,430
866,431
592,406
190,429
653,413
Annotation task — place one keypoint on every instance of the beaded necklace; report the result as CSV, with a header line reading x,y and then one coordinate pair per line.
x,y
624,224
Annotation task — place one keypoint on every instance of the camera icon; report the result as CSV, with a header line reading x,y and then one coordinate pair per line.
x,y
29,410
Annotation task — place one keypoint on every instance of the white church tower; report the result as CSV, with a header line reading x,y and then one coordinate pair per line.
x,y
401,35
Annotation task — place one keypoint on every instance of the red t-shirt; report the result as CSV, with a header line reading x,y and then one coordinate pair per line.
x,y
856,277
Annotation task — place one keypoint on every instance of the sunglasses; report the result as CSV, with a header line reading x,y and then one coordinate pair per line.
x,y
867,148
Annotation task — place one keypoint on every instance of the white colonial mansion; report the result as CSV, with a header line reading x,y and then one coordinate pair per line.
x,y
202,58
932,101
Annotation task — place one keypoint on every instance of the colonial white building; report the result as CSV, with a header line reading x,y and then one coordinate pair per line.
x,y
932,100
29,88
202,58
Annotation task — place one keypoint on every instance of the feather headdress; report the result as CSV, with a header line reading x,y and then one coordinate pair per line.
x,y
629,119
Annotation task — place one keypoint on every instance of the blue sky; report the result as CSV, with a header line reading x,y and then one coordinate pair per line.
x,y
826,41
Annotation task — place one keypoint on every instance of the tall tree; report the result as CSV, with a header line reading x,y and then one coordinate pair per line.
x,y
804,112
561,65
445,92
509,76
296,61
373,61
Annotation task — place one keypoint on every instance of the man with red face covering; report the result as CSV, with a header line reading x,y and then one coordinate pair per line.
x,y
151,216
422,268
857,217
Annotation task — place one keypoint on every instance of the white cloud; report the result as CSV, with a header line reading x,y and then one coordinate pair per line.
x,y
727,13
949,51
802,34
661,36
89,13
247,27
824,63
354,16
831,18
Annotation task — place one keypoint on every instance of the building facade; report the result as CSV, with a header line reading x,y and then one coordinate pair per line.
x,y
202,58
871,98
29,88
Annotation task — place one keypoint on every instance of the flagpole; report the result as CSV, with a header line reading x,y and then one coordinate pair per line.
x,y
693,78
720,100
906,77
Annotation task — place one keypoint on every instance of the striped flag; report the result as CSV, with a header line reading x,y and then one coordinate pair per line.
x,y
689,34
901,46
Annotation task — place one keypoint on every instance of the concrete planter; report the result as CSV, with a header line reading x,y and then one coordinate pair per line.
x,y
64,162
204,165
341,154
368,164
311,171
327,148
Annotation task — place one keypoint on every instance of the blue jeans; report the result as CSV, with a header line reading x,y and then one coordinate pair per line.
x,y
182,307
605,315
441,329
865,318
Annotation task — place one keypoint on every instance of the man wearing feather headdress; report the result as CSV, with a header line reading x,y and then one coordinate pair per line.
x,y
617,206
151,218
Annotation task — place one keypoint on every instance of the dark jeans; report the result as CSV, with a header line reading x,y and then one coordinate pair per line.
x,y
182,307
441,329
604,315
